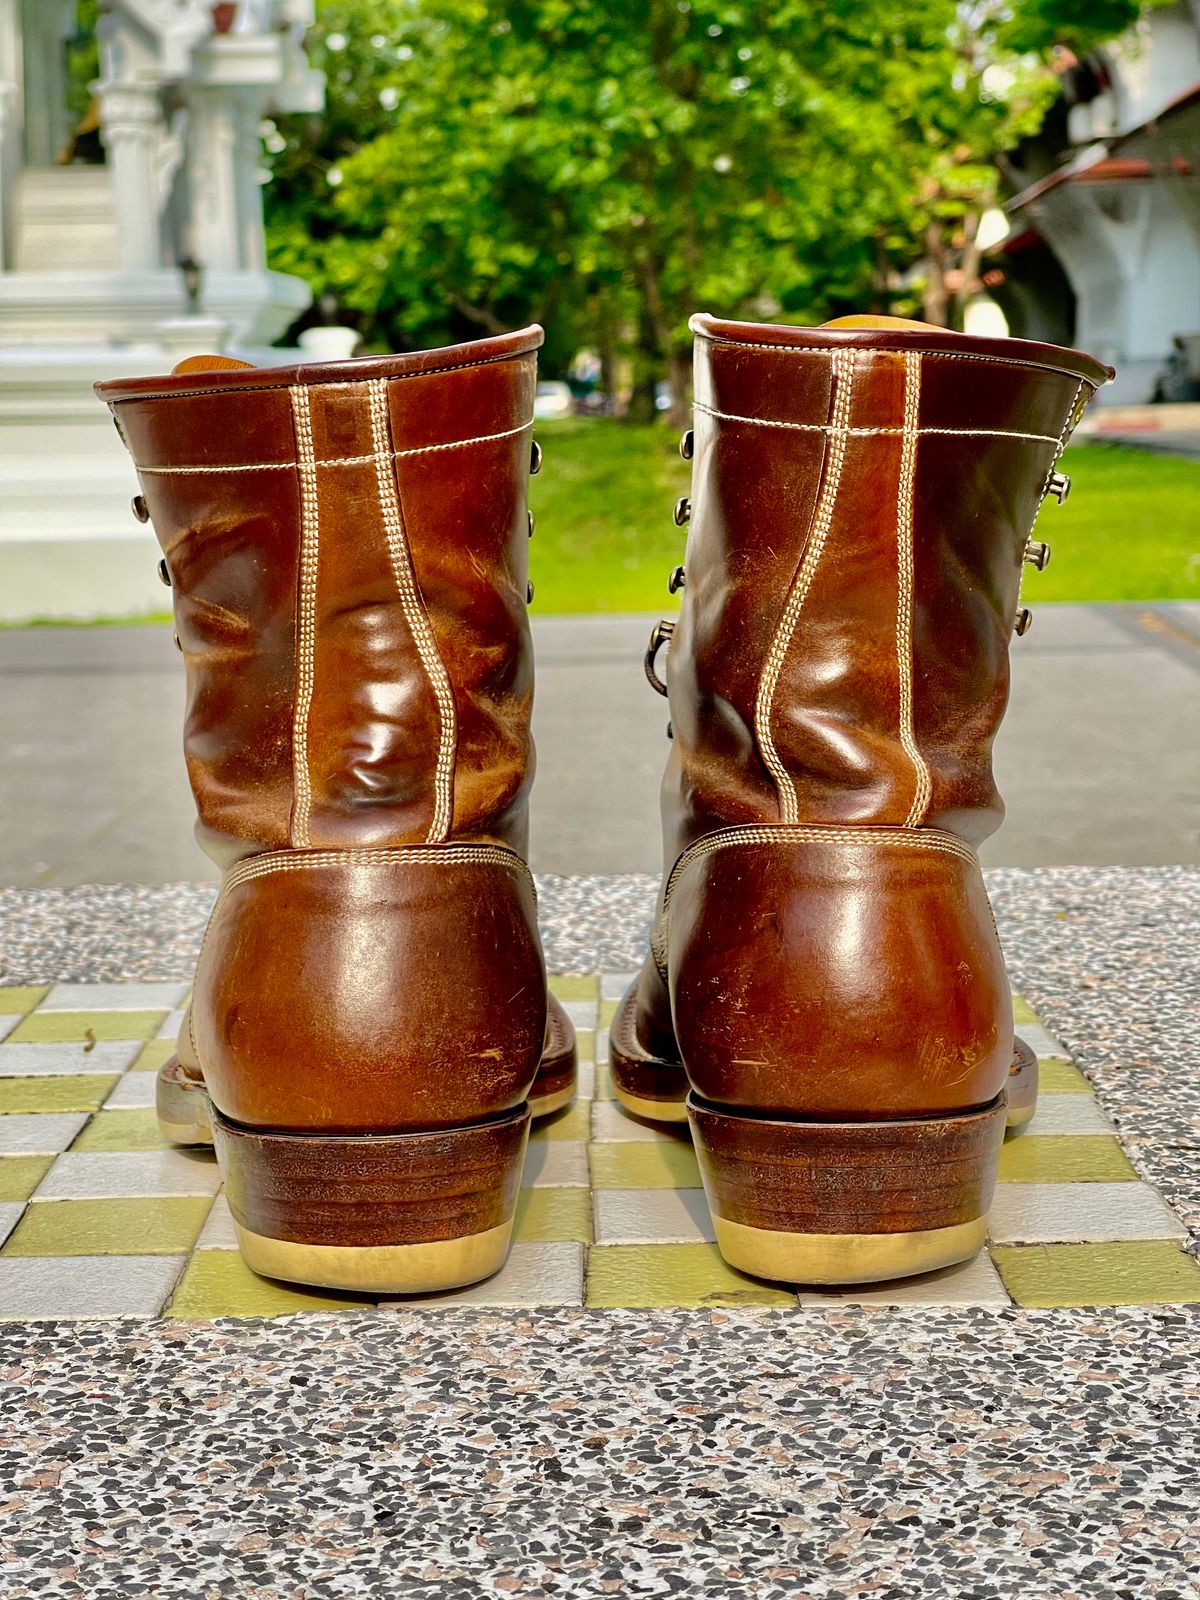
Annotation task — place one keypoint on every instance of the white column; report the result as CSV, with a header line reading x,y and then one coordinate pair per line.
x,y
247,157
131,126
212,145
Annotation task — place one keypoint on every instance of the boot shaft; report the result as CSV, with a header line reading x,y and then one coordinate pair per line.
x,y
348,550
860,510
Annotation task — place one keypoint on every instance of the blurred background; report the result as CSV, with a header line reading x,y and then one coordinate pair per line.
x,y
281,180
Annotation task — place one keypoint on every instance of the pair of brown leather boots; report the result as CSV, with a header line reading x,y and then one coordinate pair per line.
x,y
825,999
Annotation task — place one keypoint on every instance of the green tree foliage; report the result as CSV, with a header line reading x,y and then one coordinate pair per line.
x,y
609,166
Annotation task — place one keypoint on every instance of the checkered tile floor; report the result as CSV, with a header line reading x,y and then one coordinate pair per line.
x,y
99,1218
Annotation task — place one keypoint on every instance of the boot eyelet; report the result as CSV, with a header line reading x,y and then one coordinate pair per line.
x,y
1037,554
687,445
529,593
683,510
535,458
140,509
530,522
676,581
660,634
1059,486
175,640
164,572
1023,622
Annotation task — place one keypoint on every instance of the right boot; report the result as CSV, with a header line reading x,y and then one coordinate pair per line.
x,y
369,1031
825,1000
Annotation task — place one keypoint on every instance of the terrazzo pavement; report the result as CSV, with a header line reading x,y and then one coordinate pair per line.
x,y
839,1452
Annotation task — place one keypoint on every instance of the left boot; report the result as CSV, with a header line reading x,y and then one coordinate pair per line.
x,y
825,978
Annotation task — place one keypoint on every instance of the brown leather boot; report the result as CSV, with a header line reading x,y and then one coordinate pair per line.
x,y
347,547
825,974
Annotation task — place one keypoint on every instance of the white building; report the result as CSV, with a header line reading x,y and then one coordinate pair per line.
x,y
125,266
1104,250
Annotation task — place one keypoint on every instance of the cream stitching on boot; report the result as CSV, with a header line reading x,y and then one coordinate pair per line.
x,y
343,461
413,855
414,611
772,833
307,614
904,604
869,433
843,379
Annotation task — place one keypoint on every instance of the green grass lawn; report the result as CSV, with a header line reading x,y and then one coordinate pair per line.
x,y
606,542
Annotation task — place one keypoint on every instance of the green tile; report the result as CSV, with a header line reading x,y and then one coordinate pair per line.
x,y
63,1027
20,1175
660,1164
145,1226
604,1086
156,1053
572,1122
1023,1011
1061,1077
17,1001
55,1094
122,1130
1064,1158
565,988
218,1283
551,1215
672,1275
608,1010
1128,1272
585,1044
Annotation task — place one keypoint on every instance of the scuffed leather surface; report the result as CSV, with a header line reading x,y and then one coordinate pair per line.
x,y
371,998
838,980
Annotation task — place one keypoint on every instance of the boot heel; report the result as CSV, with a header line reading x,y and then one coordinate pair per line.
x,y
848,1202
405,1213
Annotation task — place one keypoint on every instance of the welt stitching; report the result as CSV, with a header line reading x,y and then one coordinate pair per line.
x,y
864,433
887,350
905,575
307,613
418,622
843,370
323,383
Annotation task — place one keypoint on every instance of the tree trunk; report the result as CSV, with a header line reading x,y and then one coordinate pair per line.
x,y
935,299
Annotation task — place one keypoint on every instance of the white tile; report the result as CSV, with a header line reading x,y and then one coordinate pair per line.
x,y
612,1124
614,984
971,1283
170,1028
10,1215
104,1175
71,1287
555,1164
585,1080
1067,1213
1068,1113
581,1012
39,1135
533,1275
114,997
218,1232
652,1216
134,1092
66,1060
7,1024
1040,1041
602,1045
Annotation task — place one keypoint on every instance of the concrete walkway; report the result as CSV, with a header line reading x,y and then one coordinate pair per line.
x,y
1097,761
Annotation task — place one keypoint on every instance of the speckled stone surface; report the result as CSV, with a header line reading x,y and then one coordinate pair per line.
x,y
826,1452
725,1453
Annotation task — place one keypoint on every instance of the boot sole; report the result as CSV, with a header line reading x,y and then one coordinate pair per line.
x,y
843,1203
307,1207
